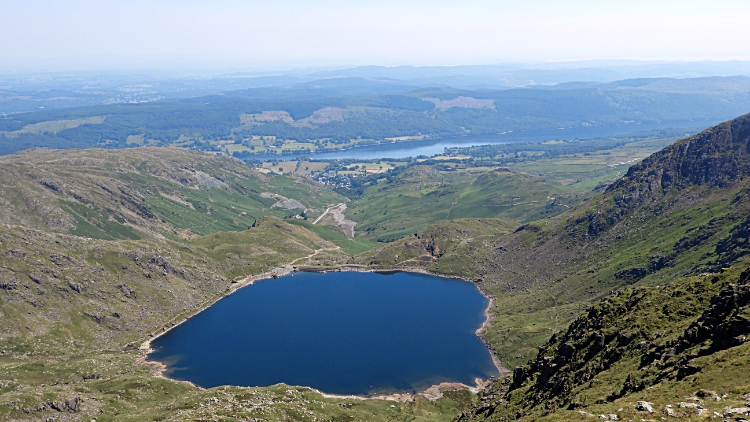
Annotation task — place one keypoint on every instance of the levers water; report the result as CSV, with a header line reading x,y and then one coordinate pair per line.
x,y
340,332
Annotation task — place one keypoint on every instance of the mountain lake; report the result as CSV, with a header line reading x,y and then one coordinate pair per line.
x,y
430,147
339,332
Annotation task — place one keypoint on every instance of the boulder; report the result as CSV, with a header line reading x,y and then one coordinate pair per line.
x,y
736,411
644,406
708,394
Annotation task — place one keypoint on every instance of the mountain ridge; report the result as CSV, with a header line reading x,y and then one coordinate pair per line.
x,y
549,268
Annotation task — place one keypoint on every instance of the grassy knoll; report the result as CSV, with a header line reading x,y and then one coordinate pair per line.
x,y
424,195
349,245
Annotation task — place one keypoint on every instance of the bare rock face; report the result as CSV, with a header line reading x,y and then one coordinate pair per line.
x,y
283,202
289,204
599,339
708,394
725,322
76,287
38,278
730,412
208,181
717,157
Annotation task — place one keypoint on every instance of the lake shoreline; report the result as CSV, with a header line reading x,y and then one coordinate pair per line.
x,y
436,145
488,312
434,392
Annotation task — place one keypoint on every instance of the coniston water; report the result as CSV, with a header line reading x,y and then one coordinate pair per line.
x,y
430,147
339,332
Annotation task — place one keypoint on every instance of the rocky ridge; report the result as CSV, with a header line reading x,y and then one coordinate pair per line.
x,y
632,344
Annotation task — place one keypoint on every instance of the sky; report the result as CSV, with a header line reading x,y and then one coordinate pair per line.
x,y
382,32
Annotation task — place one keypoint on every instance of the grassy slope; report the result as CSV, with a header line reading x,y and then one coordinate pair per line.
x,y
541,278
347,244
424,195
75,309
107,386
129,194
682,211
73,294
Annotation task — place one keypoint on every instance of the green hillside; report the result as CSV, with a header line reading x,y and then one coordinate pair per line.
x,y
425,195
644,264
75,310
129,194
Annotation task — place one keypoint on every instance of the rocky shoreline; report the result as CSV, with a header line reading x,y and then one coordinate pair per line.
x,y
434,392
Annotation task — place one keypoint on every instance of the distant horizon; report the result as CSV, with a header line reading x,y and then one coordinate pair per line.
x,y
87,34
129,65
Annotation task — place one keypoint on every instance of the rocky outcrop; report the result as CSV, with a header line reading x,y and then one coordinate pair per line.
x,y
615,331
717,157
725,324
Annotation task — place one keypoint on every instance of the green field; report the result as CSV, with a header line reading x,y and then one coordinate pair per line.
x,y
586,170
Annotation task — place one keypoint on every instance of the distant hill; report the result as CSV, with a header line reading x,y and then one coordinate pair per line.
x,y
345,112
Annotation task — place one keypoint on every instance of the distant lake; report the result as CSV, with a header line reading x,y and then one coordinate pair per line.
x,y
430,147
339,332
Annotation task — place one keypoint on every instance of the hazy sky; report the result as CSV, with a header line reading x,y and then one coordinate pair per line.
x,y
373,31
